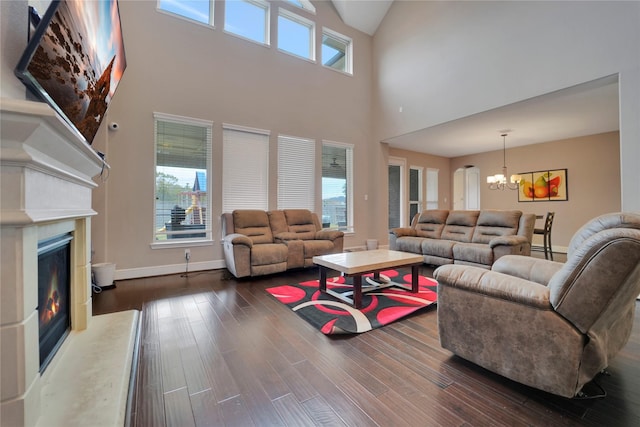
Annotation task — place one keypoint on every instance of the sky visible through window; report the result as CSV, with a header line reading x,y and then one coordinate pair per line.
x,y
198,10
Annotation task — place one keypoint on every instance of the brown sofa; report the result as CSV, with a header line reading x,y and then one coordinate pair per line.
x,y
553,326
467,237
258,242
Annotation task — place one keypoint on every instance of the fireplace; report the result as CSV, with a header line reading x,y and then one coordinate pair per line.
x,y
54,289
46,189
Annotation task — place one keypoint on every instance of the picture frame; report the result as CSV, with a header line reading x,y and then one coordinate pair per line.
x,y
543,186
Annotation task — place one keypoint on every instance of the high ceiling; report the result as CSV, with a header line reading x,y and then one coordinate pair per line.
x,y
586,109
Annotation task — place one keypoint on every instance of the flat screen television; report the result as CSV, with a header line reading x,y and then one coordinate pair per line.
x,y
75,59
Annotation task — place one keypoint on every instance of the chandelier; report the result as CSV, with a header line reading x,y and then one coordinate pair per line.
x,y
499,181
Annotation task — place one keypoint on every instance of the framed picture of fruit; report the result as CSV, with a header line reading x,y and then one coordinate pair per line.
x,y
547,186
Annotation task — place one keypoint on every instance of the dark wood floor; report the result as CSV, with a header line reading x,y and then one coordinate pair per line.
x,y
216,351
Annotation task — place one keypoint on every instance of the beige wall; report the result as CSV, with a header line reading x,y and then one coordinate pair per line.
x,y
191,70
593,176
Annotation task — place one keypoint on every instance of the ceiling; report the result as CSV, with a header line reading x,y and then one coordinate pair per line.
x,y
586,109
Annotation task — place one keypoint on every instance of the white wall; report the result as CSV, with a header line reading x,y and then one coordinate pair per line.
x,y
442,61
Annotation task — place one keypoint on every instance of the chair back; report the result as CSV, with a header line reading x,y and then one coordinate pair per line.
x,y
601,278
548,222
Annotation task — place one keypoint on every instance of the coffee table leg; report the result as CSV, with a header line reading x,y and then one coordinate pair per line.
x,y
414,278
323,279
357,291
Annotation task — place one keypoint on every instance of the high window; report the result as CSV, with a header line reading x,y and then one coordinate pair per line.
x,y
337,51
296,35
245,170
195,10
296,173
337,187
303,4
248,19
183,165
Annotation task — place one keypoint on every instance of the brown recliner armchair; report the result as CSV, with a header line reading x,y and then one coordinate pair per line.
x,y
546,324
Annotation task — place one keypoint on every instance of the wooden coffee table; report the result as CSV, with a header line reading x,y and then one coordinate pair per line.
x,y
356,264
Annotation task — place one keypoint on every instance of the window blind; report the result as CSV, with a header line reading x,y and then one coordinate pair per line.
x,y
296,173
245,169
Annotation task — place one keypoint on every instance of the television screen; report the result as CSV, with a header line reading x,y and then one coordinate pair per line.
x,y
75,60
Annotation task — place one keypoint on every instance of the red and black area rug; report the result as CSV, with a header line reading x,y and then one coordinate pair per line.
x,y
379,307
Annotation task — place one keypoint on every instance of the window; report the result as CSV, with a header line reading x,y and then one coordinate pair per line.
x,y
396,190
296,173
336,51
432,188
195,10
415,191
296,35
248,19
303,4
245,170
183,165
337,199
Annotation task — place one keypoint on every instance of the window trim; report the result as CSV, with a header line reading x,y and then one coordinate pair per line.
x,y
311,26
267,21
348,51
199,241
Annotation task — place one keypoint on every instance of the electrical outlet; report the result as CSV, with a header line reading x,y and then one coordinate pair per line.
x,y
187,254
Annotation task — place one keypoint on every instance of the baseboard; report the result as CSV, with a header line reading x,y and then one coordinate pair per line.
x,y
161,270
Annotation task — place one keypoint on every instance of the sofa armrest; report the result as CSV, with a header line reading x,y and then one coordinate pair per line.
x,y
507,241
493,284
239,239
403,231
329,234
533,269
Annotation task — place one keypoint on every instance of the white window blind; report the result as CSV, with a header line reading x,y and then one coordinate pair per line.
x,y
245,169
432,188
296,173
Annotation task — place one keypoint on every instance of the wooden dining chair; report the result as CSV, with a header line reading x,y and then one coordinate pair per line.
x,y
545,231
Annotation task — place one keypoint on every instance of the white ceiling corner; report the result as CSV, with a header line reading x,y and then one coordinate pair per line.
x,y
363,15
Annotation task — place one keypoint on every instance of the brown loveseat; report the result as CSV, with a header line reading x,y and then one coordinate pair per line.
x,y
258,242
550,325
468,237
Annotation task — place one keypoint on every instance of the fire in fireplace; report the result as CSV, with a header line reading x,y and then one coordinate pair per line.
x,y
54,283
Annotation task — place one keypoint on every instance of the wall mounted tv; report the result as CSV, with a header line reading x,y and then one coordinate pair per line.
x,y
75,59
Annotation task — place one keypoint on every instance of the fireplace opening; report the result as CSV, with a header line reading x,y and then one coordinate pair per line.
x,y
54,288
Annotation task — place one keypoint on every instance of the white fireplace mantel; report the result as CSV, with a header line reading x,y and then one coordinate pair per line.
x,y
46,184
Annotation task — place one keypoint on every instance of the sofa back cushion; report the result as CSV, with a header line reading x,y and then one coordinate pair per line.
x,y
494,223
460,226
253,224
431,223
300,221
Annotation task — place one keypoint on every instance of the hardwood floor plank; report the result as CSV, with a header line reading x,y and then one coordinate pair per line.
x,y
206,411
291,412
322,413
177,407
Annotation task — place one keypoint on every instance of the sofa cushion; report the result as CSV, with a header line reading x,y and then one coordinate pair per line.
x,y
477,253
300,221
460,225
439,248
494,223
253,224
409,244
317,247
431,223
268,253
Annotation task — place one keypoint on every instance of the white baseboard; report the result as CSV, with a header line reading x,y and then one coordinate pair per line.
x,y
161,270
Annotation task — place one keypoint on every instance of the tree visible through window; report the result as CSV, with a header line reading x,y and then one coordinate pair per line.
x,y
183,162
